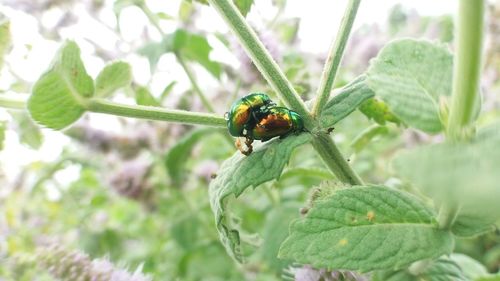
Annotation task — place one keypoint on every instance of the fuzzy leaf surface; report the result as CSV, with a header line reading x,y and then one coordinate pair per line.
x,y
443,269
366,228
465,174
344,103
59,96
411,76
241,172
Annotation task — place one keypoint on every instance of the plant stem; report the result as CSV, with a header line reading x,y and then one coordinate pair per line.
x,y
13,102
194,84
152,17
465,84
323,144
467,67
262,58
334,160
156,113
335,57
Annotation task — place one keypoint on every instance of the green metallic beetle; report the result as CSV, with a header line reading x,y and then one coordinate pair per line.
x,y
279,121
256,117
246,112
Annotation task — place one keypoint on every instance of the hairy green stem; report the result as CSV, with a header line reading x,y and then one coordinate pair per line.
x,y
13,102
334,160
323,144
156,113
204,100
465,84
262,58
335,57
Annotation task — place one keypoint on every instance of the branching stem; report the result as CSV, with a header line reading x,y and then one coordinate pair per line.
x,y
335,57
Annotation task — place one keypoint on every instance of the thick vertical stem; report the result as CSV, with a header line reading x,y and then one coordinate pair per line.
x,y
467,67
465,84
262,58
334,160
335,57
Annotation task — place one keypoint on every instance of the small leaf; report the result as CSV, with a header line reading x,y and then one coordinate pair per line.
x,y
182,150
344,103
366,228
411,76
5,38
443,269
168,89
113,77
240,172
59,96
464,173
378,111
144,97
244,6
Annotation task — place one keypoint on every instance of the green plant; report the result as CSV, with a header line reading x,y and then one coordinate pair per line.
x,y
350,224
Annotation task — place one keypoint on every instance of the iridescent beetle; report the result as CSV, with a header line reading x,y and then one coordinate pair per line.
x,y
256,117
279,121
246,112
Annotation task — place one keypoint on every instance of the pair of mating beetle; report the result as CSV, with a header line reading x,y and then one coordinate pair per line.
x,y
256,117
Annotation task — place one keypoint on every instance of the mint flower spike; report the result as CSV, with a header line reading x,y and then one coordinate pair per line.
x,y
78,266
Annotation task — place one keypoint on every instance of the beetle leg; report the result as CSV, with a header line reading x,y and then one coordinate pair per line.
x,y
248,144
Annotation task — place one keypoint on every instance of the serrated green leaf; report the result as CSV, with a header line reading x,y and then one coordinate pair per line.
x,y
241,172
366,228
465,174
5,38
244,6
411,76
59,96
443,269
378,111
144,97
181,150
344,103
112,77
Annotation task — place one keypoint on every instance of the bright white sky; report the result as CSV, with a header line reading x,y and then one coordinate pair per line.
x,y
316,17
